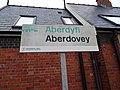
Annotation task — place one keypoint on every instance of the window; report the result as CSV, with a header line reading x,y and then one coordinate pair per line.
x,y
25,20
68,20
111,18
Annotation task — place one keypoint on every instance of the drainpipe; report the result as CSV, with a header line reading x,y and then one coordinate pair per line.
x,y
115,43
82,71
64,4
97,79
7,2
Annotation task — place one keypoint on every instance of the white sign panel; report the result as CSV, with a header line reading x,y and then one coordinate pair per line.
x,y
58,38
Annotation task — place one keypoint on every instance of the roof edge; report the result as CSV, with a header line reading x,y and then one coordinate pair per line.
x,y
88,5
77,16
3,7
36,7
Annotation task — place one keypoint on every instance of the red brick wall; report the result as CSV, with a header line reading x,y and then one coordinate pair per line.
x,y
41,71
34,71
112,67
73,71
107,64
89,71
102,69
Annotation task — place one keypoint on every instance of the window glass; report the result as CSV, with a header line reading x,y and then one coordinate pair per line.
x,y
114,19
25,20
68,20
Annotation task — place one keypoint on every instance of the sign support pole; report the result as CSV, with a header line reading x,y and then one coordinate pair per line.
x,y
64,71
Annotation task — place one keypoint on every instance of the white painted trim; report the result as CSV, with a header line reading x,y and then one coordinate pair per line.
x,y
26,49
74,13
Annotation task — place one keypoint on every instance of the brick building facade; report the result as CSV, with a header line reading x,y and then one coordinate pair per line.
x,y
43,71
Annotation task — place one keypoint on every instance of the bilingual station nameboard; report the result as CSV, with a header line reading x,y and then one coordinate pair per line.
x,y
58,38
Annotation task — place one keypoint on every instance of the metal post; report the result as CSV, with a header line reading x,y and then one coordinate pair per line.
x,y
64,72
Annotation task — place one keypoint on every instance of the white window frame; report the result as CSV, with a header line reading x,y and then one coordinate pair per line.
x,y
111,18
19,24
71,19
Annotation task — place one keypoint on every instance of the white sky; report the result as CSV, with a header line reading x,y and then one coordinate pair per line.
x,y
52,3
3,3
